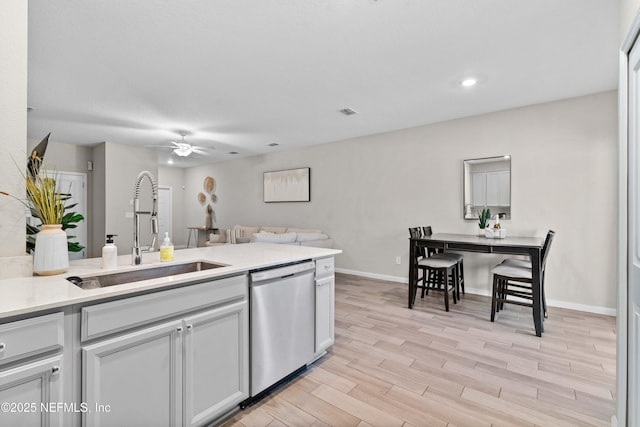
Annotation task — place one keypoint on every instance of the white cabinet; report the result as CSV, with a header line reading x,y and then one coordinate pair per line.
x,y
498,188
184,372
479,189
491,188
216,362
325,303
31,384
135,379
32,393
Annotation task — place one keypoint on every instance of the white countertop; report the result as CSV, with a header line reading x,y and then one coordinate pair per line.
x,y
30,294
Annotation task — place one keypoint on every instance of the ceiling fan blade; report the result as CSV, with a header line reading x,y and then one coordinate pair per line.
x,y
201,150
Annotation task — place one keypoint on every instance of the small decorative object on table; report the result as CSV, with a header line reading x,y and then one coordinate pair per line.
x,y
495,232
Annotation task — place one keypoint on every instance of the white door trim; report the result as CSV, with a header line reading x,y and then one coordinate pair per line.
x,y
622,319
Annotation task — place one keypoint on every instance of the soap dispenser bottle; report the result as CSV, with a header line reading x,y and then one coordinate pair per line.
x,y
110,254
166,250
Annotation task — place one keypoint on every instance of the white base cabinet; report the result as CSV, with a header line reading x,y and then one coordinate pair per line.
x,y
185,372
325,289
325,303
31,394
216,362
134,379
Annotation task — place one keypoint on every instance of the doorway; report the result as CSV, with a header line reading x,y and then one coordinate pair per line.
x,y
165,214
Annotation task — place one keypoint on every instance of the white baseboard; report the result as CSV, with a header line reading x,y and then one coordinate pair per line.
x,y
373,275
486,292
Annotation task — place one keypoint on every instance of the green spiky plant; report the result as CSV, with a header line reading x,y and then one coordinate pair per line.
x,y
483,218
49,207
46,204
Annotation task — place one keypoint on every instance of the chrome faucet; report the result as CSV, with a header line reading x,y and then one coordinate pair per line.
x,y
137,253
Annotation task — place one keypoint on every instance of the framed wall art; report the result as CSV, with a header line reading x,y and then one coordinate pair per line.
x,y
291,185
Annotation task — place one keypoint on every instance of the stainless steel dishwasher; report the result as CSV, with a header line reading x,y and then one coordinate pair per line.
x,y
282,323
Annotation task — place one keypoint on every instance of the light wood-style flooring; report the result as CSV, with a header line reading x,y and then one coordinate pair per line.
x,y
391,366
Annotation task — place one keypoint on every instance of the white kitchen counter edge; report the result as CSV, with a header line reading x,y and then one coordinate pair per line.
x,y
24,295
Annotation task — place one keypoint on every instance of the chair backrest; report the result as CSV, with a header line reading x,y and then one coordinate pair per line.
x,y
428,231
415,232
546,247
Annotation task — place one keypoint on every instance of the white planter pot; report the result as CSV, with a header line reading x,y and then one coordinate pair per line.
x,y
51,255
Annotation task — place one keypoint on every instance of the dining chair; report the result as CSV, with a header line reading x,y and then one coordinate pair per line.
x,y
512,281
428,231
438,272
516,262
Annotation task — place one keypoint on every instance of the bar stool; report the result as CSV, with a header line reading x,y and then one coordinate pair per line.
x,y
427,231
439,272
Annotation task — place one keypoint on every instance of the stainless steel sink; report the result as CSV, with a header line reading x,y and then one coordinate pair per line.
x,y
101,281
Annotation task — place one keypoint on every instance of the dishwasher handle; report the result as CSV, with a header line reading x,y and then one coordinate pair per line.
x,y
281,272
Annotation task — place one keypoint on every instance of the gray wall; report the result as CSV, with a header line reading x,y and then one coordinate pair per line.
x,y
366,191
13,128
122,166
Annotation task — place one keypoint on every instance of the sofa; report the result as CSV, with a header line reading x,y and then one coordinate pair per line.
x,y
283,235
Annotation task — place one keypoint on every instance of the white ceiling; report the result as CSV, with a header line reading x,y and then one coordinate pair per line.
x,y
237,75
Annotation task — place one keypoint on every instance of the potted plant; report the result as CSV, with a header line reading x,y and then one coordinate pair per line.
x,y
48,241
483,220
51,254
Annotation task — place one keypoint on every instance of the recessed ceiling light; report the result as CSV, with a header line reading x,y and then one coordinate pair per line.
x,y
468,82
273,144
233,152
170,161
348,111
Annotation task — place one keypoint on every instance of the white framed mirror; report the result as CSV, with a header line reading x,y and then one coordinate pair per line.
x,y
487,184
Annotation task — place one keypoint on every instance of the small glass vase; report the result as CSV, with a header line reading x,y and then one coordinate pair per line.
x,y
51,255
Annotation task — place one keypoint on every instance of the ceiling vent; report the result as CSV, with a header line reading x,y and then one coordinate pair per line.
x,y
348,111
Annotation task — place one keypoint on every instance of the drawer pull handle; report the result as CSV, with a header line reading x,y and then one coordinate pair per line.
x,y
2,346
55,370
189,326
179,329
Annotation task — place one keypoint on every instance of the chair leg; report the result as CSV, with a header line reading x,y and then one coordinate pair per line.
x,y
456,284
494,297
544,299
446,292
461,277
424,282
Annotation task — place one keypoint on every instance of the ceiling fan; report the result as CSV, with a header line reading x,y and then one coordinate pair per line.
x,y
183,149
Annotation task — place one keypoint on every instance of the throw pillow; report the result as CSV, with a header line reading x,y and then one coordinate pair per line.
x,y
305,237
275,238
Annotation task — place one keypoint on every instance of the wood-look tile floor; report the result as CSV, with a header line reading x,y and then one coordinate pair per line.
x,y
391,366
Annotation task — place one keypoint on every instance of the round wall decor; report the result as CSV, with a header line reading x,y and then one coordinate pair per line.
x,y
209,183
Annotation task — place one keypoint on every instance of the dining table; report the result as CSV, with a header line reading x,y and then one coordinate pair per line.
x,y
529,246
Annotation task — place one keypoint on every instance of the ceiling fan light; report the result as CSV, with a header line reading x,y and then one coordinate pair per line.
x,y
183,149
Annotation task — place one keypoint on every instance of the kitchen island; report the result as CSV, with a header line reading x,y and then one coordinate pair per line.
x,y
171,350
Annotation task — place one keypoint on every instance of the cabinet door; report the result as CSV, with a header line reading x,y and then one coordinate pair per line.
x,y
216,362
498,188
134,379
479,189
32,393
504,183
324,313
